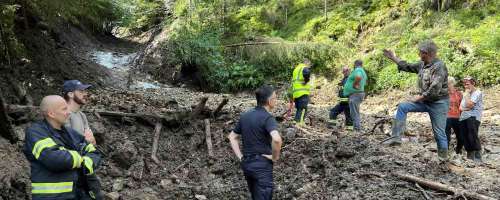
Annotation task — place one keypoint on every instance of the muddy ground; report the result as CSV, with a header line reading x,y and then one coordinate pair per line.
x,y
318,163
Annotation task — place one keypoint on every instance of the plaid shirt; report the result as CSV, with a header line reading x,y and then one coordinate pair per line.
x,y
432,78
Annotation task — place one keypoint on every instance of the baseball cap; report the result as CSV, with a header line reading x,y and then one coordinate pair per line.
x,y
72,85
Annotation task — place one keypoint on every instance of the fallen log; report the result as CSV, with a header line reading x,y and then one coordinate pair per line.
x,y
208,137
166,117
30,113
380,123
442,187
215,114
199,108
158,127
250,44
426,196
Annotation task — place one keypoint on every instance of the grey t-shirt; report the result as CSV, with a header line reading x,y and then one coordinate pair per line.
x,y
477,110
78,121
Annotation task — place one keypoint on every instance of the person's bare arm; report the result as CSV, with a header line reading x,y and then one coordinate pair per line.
x,y
469,104
89,136
392,56
234,139
357,80
276,146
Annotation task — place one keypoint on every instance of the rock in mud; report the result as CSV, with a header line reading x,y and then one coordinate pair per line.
x,y
200,197
125,154
118,185
112,196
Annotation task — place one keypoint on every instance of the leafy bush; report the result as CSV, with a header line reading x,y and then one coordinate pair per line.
x,y
140,15
466,34
10,47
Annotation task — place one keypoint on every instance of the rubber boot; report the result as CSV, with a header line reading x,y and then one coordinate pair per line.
x,y
477,157
332,123
470,155
397,128
443,154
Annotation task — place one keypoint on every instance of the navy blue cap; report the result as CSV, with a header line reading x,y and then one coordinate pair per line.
x,y
72,85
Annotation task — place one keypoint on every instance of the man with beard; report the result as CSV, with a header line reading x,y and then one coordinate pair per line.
x,y
75,94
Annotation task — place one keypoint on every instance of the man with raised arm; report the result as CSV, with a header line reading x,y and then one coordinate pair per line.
x,y
433,95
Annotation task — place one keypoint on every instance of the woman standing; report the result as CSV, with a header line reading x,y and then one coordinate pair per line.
x,y
453,115
470,118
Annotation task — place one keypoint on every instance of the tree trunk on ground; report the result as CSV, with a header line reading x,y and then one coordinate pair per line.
x,y
442,187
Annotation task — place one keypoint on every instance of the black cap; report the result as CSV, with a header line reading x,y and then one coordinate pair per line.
x,y
72,85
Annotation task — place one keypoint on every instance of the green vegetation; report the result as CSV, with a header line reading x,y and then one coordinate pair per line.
x,y
139,15
9,45
97,16
206,35
466,32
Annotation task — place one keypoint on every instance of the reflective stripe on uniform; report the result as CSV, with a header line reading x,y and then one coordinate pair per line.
x,y
51,188
40,145
302,115
301,89
89,164
90,148
343,99
77,159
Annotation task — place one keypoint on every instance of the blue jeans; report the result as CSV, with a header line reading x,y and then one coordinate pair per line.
x,y
301,106
341,107
258,172
437,110
354,103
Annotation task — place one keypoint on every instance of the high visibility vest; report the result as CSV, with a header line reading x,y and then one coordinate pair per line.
x,y
299,88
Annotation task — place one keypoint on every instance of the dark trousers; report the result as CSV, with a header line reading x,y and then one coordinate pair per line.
x,y
258,172
341,107
454,124
89,188
470,132
301,106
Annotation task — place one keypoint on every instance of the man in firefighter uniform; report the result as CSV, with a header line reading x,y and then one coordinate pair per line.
x,y
60,158
343,104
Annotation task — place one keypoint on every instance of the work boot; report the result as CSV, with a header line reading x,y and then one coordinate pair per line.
x,y
332,123
443,154
397,128
470,155
477,157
